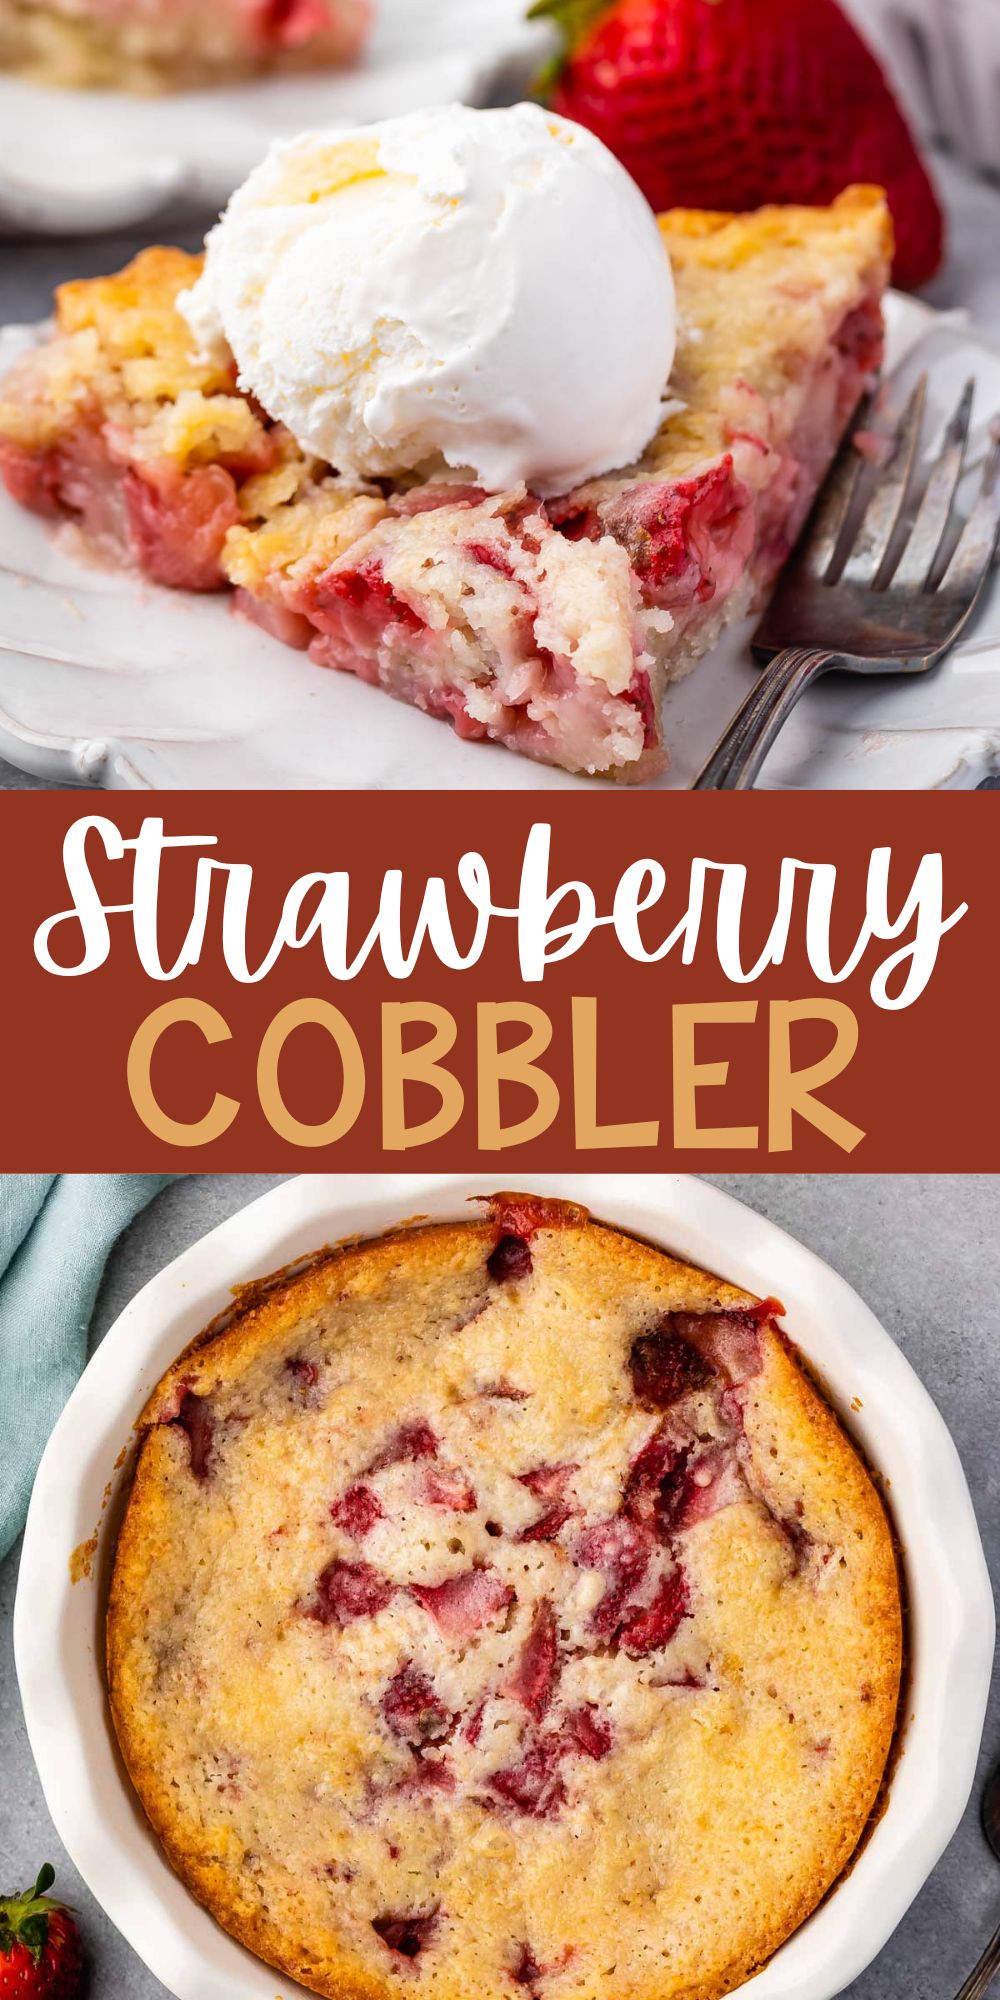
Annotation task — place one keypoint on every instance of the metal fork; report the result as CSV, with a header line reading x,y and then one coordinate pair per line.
x,y
887,593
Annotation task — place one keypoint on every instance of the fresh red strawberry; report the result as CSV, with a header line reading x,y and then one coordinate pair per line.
x,y
40,1955
728,104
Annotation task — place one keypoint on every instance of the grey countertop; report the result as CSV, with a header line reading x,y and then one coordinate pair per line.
x,y
29,272
924,1252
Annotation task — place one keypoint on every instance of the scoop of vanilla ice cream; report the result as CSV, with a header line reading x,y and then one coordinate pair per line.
x,y
486,287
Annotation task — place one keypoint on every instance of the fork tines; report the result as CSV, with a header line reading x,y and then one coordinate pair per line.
x,y
900,527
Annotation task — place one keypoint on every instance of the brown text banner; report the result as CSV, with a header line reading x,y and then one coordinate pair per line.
x,y
268,980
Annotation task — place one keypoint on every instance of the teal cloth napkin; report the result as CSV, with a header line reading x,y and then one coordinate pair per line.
x,y
56,1231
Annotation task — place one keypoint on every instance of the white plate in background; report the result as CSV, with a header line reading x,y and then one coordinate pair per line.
x,y
80,162
105,679
58,1624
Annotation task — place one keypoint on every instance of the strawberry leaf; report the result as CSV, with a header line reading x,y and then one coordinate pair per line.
x,y
24,1919
33,1934
574,20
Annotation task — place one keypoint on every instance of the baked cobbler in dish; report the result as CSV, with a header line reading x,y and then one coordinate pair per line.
x,y
499,1605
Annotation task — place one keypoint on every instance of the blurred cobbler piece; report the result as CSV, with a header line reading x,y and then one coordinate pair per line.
x,y
152,45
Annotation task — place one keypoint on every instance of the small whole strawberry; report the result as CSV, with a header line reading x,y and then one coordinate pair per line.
x,y
729,104
40,1955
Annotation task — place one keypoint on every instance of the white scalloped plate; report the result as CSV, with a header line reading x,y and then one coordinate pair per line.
x,y
106,680
121,160
58,1625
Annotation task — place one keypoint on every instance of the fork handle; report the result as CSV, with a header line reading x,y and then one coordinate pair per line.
x,y
985,1972
740,752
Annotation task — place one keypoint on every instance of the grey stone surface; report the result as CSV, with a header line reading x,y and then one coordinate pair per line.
x,y
925,1253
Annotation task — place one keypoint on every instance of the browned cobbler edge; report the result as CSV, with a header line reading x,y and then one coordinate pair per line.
x,y
264,1310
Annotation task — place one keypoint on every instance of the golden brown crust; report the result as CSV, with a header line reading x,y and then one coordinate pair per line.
x,y
815,1467
859,212
757,295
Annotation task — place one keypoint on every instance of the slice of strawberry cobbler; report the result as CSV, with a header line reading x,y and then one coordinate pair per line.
x,y
549,626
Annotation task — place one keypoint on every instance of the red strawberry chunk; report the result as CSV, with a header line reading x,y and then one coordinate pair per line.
x,y
290,23
623,1551
178,521
526,1970
445,1488
304,1378
650,1477
410,1442
492,555
616,1545
731,1406
640,696
504,1392
712,1480
665,1364
346,1591
365,588
32,478
729,1342
195,1418
414,1712
535,1785
646,1628
408,1936
548,1482
534,1674
586,1732
431,1774
525,1214
672,530
517,1218
548,1525
670,1488
510,1259
357,1512
464,1603
474,1727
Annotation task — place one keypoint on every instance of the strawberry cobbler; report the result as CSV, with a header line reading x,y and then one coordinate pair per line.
x,y
432,1656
